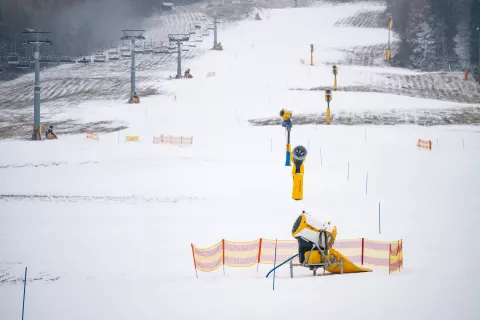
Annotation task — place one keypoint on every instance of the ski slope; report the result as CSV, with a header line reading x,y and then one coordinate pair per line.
x,y
105,227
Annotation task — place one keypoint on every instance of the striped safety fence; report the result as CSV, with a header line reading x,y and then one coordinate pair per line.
x,y
395,258
262,251
92,136
132,139
424,144
172,140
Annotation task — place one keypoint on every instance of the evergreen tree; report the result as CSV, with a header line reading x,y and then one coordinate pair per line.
x,y
420,35
475,32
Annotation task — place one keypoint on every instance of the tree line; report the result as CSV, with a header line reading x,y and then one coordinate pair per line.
x,y
435,34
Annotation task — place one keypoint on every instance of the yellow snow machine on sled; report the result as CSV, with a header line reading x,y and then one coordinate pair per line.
x,y
315,242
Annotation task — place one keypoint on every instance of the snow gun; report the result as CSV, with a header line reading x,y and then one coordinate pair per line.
x,y
335,73
328,98
315,242
286,116
299,155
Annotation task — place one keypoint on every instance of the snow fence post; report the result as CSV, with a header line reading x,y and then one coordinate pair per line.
x,y
389,253
194,262
223,255
363,248
259,252
401,254
24,289
274,263
398,253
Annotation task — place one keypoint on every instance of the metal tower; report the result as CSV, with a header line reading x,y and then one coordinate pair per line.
x,y
132,35
179,38
215,22
40,38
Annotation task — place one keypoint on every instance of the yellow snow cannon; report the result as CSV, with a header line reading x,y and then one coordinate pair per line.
x,y
328,98
315,241
335,73
299,154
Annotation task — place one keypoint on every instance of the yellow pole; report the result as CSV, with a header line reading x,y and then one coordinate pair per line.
x,y
335,84
328,115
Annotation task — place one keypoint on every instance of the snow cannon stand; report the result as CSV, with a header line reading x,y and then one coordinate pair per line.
x,y
315,240
286,116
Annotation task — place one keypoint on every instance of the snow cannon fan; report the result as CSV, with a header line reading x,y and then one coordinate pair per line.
x,y
311,233
286,116
299,154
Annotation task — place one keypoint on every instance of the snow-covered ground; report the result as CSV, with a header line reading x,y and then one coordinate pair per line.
x,y
105,227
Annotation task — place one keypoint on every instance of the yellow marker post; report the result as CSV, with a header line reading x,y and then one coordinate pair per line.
x,y
311,54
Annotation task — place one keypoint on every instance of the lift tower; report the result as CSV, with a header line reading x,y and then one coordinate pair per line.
x,y
132,35
178,39
36,38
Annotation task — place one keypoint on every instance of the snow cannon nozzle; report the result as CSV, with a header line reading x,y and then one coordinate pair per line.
x,y
299,154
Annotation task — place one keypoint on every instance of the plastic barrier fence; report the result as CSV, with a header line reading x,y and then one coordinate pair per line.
x,y
172,140
395,259
92,136
261,251
376,253
424,144
131,139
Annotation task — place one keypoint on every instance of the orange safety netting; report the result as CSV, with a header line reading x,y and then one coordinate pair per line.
x,y
262,251
424,144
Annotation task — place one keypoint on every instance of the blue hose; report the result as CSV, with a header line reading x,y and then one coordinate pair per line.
x,y
281,264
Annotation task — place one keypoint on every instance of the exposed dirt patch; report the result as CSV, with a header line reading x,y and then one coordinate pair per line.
x,y
423,117
365,19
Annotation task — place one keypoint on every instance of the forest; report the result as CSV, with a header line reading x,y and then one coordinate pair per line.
x,y
437,34
433,34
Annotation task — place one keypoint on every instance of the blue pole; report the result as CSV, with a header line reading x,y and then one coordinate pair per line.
x,y
274,264
379,230
24,288
281,264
